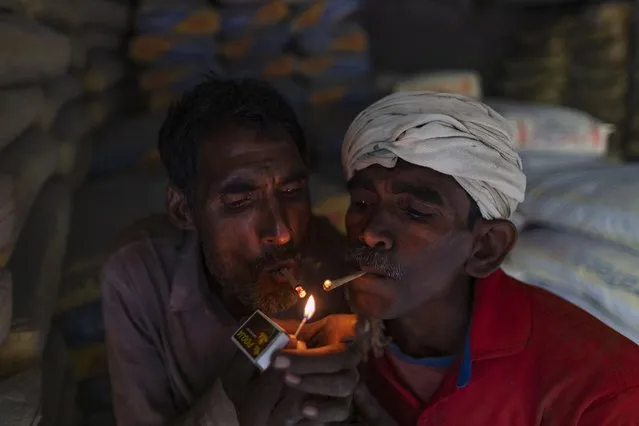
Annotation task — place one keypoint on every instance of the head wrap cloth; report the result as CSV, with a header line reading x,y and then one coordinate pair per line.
x,y
447,133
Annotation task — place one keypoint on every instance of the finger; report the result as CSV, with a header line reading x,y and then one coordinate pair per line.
x,y
327,410
328,359
288,325
288,410
340,384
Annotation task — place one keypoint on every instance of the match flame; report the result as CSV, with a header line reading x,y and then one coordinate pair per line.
x,y
309,309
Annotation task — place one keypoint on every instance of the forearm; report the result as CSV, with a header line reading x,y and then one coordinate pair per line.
x,y
214,408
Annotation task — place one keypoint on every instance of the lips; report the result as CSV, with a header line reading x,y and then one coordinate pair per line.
x,y
275,270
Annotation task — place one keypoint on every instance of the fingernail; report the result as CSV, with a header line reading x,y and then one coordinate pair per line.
x,y
281,363
292,379
310,411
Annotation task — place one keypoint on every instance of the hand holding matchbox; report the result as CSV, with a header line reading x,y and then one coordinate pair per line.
x,y
259,337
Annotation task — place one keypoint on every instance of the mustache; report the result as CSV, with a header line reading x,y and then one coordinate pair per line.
x,y
276,254
377,259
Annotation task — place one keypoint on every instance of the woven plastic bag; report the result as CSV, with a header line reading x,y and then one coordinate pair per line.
x,y
20,398
104,72
57,93
30,160
599,277
601,201
19,108
30,52
553,129
35,266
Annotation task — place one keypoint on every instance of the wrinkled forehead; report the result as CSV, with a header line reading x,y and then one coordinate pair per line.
x,y
245,153
421,182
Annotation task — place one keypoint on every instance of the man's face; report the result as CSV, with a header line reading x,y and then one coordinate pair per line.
x,y
408,228
251,211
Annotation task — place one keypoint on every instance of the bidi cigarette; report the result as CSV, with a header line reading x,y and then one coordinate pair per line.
x,y
301,293
338,282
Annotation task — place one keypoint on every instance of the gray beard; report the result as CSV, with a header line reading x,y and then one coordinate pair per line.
x,y
248,292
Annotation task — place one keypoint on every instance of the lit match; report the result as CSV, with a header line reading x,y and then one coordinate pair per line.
x,y
338,282
309,310
301,293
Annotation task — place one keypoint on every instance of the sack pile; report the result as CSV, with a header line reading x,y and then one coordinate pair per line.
x,y
598,41
102,208
536,67
313,51
175,44
578,60
584,245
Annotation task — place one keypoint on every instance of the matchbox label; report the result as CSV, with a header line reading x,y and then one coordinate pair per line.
x,y
256,334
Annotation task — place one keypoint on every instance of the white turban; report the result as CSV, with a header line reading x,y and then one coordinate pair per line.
x,y
447,133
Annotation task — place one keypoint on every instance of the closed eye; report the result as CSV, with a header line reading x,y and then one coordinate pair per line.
x,y
294,188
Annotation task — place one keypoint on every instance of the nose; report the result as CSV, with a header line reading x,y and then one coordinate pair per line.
x,y
375,234
276,230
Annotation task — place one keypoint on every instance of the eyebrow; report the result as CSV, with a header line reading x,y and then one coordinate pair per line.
x,y
241,185
424,194
238,186
361,183
295,176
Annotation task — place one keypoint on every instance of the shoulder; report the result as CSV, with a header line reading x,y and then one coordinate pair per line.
x,y
142,256
568,338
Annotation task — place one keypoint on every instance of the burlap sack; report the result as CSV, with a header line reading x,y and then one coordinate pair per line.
x,y
29,161
19,108
30,52
35,266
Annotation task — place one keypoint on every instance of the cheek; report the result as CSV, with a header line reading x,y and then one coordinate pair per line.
x,y
298,218
354,225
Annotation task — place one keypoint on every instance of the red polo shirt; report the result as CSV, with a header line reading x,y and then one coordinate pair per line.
x,y
536,360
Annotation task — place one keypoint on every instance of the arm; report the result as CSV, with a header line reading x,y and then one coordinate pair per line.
x,y
620,410
141,391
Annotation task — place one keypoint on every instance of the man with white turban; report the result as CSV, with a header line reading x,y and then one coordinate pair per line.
x,y
433,180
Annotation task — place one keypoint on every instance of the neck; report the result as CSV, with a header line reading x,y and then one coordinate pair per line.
x,y
438,327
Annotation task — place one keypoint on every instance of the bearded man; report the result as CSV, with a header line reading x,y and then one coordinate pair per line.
x,y
238,222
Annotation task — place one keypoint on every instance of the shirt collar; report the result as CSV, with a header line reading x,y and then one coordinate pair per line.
x,y
500,326
501,318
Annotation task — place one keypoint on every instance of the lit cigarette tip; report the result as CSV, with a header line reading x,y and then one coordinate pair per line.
x,y
338,282
300,291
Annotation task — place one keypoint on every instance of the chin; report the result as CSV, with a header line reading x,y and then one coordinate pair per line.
x,y
276,302
368,304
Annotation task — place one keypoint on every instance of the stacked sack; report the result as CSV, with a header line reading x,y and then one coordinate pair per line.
x,y
582,242
35,205
175,45
254,40
124,188
535,69
334,63
598,78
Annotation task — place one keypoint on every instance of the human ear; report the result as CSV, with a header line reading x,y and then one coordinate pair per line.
x,y
493,241
178,208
